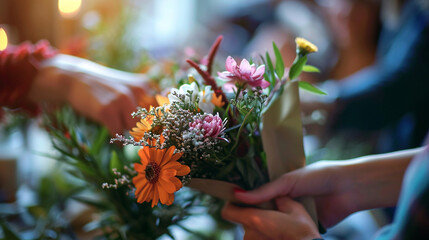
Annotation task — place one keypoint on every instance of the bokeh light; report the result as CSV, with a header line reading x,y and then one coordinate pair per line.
x,y
69,8
3,39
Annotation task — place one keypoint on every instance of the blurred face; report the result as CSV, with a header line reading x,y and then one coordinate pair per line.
x,y
337,13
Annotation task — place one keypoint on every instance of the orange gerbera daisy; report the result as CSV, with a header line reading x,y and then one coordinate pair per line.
x,y
156,175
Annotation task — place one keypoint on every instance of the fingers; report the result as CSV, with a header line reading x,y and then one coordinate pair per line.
x,y
245,216
269,224
280,187
251,234
288,205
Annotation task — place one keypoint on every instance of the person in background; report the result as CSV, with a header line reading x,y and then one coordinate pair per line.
x,y
341,188
32,75
388,97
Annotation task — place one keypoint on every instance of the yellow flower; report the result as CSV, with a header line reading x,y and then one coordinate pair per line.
x,y
156,175
305,46
145,125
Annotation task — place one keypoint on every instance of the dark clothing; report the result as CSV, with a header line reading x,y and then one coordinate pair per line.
x,y
393,94
412,213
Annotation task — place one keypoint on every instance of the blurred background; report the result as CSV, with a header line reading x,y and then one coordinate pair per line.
x,y
132,35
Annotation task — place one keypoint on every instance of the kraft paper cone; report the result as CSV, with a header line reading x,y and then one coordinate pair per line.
x,y
282,138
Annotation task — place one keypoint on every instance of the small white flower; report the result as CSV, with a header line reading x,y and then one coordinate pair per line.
x,y
205,103
205,96
183,90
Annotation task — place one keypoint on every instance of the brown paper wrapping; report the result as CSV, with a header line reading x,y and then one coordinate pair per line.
x,y
282,139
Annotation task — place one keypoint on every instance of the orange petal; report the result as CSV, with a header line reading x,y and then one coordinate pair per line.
x,y
168,173
161,100
183,170
217,101
152,152
143,194
176,156
151,193
139,167
177,183
170,199
144,156
163,194
155,198
172,164
167,156
167,185
159,155
139,180
143,125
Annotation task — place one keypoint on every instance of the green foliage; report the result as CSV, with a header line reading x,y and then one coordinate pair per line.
x,y
8,232
280,66
270,74
309,68
45,219
121,217
297,67
309,87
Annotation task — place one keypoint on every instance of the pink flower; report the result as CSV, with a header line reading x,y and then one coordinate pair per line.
x,y
210,126
244,74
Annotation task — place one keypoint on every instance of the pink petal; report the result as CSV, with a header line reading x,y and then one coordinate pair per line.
x,y
230,64
252,69
264,84
259,71
225,75
245,68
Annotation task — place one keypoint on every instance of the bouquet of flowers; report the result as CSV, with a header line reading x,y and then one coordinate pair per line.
x,y
237,130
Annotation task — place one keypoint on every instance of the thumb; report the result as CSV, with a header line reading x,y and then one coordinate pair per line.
x,y
279,187
287,205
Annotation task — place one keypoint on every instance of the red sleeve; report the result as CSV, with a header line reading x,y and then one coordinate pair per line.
x,y
18,68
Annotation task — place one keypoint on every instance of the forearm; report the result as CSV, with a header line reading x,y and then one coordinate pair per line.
x,y
375,181
59,75
75,65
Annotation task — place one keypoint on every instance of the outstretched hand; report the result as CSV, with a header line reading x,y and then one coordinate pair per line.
x,y
290,222
333,196
102,94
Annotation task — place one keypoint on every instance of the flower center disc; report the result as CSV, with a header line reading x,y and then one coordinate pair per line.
x,y
152,172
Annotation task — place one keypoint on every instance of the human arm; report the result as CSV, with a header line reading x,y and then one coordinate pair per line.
x,y
341,187
32,75
103,94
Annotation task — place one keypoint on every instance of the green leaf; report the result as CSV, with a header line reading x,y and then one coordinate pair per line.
x,y
92,202
297,66
115,162
100,140
280,66
309,68
272,80
8,233
309,87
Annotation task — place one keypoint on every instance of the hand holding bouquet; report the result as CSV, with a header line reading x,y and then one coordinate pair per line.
x,y
238,131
